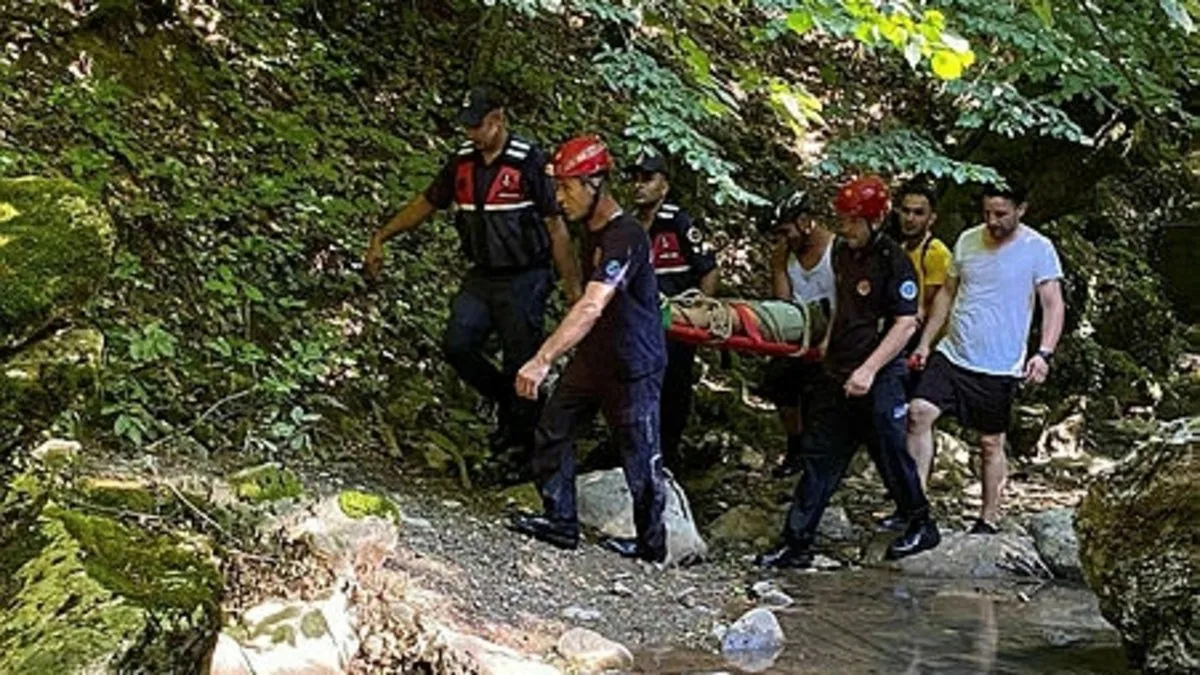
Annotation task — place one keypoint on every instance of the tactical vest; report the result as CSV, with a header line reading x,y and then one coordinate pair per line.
x,y
671,267
503,232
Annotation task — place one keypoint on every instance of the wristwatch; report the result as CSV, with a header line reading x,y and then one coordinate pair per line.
x,y
1046,355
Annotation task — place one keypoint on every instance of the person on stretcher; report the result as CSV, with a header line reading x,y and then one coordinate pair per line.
x,y
779,327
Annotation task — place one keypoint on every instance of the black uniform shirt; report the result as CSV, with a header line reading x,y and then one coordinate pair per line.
x,y
627,341
875,284
681,255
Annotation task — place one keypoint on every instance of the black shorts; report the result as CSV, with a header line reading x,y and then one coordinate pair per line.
x,y
788,380
980,401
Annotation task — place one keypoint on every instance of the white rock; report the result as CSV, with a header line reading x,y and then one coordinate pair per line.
x,y
590,652
756,631
57,450
577,613
976,556
605,504
492,659
293,637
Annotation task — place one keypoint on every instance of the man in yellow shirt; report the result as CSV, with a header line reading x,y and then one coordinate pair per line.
x,y
916,211
917,208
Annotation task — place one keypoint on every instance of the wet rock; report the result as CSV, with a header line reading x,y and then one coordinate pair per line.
x,y
1063,440
751,459
489,658
745,523
84,593
605,504
972,556
589,652
823,563
754,641
1054,535
768,595
1140,549
55,247
278,638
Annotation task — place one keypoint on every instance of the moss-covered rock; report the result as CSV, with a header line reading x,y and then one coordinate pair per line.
x,y
266,483
55,245
1139,532
86,593
357,504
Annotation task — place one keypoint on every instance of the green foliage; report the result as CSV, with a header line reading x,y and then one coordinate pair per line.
x,y
901,150
357,504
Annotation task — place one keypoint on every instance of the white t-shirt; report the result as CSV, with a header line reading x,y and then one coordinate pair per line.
x,y
997,289
815,284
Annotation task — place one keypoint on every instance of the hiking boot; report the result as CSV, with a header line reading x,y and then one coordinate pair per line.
x,y
921,535
892,523
546,530
630,548
982,526
786,557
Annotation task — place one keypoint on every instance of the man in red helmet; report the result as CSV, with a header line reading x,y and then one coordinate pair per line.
x,y
509,228
862,396
617,368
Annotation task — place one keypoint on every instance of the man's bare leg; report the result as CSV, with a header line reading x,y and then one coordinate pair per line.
x,y
995,474
921,417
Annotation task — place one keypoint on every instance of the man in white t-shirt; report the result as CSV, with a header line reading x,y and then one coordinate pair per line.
x,y
801,272
999,270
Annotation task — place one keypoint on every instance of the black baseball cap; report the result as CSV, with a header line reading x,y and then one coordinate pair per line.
x,y
477,103
648,163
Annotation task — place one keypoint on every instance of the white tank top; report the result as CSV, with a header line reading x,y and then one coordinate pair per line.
x,y
815,284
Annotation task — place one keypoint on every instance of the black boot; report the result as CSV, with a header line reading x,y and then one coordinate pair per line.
x,y
630,548
922,534
786,556
544,529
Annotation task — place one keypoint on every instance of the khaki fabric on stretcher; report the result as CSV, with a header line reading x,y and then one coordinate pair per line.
x,y
777,320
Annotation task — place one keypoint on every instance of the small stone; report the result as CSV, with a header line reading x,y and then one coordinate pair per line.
x,y
751,459
577,613
836,525
57,451
452,503
590,652
621,589
824,563
756,631
776,599
419,523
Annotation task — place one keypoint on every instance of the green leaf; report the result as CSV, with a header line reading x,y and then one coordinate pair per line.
x,y
1043,10
800,21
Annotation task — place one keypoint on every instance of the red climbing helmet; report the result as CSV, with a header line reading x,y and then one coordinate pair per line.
x,y
865,197
580,157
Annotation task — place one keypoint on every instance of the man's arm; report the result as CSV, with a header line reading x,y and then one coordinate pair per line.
x,y
578,322
1053,313
564,258
930,294
781,286
862,379
939,312
412,215
708,282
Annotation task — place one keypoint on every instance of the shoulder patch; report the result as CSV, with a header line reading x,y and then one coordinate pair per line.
x,y
695,236
908,289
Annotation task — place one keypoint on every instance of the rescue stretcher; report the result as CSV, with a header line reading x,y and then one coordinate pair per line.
x,y
765,327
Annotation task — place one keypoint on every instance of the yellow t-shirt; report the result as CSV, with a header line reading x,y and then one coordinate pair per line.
x,y
931,260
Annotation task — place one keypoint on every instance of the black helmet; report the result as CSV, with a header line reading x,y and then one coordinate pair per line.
x,y
789,202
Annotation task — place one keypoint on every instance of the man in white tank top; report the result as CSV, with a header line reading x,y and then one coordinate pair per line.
x,y
801,272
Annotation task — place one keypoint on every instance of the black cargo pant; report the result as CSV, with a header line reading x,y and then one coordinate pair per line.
x,y
514,306
631,410
677,387
835,426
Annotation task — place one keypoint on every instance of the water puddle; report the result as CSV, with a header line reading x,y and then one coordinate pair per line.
x,y
875,622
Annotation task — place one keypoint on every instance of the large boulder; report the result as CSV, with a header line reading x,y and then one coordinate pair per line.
x,y
1139,533
977,556
605,504
86,593
55,246
1054,535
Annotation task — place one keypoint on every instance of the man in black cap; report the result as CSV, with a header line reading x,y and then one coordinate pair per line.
x,y
683,259
508,223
